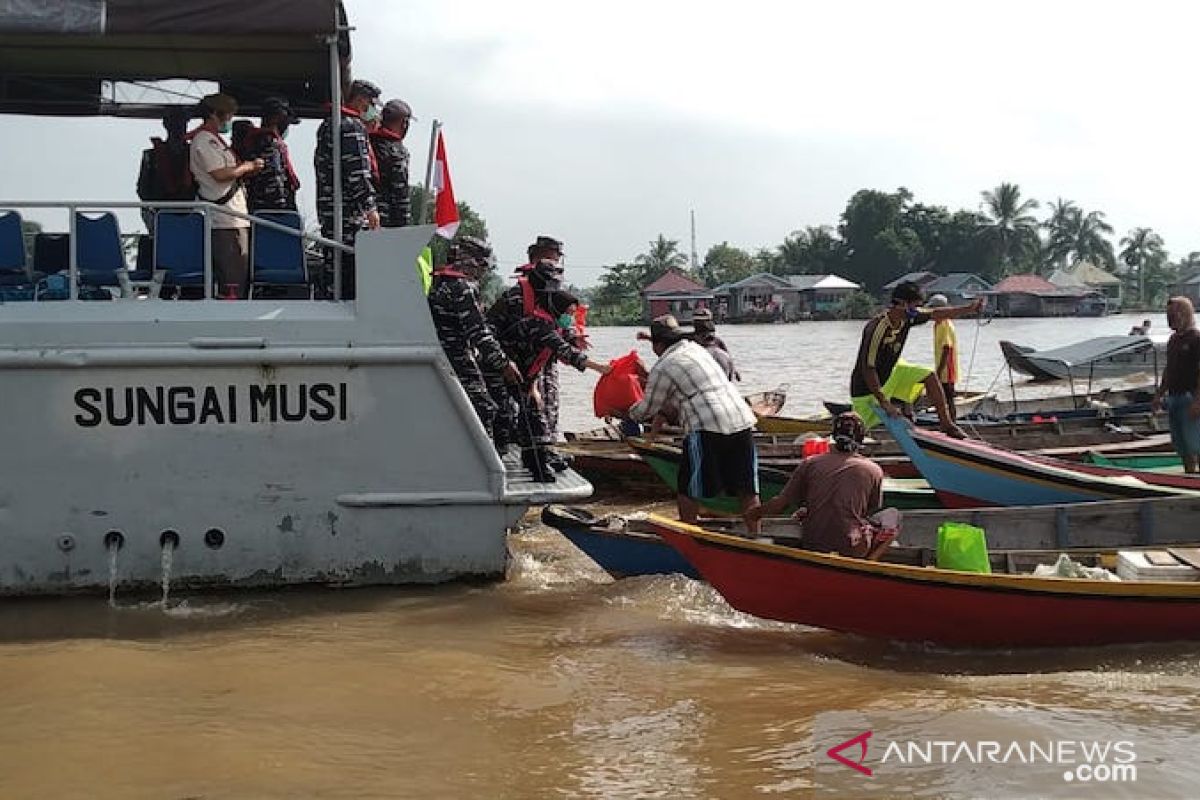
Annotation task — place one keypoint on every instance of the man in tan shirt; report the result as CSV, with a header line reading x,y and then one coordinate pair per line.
x,y
218,177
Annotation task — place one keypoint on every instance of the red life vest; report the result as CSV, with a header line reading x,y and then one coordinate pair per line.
x,y
531,309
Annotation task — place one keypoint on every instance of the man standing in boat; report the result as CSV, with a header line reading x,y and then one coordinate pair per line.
x,y
718,457
359,211
274,187
549,250
1181,382
945,352
881,378
530,321
837,490
469,343
391,157
219,176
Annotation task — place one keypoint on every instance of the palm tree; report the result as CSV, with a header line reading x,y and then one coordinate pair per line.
x,y
811,250
662,257
1143,251
1075,236
1010,225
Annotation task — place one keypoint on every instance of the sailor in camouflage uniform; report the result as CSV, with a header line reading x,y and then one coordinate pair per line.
x,y
274,187
528,319
469,343
359,210
391,156
547,248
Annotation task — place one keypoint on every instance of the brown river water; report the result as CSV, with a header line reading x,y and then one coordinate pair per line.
x,y
558,682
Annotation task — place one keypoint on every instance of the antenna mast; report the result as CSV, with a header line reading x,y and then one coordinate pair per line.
x,y
695,263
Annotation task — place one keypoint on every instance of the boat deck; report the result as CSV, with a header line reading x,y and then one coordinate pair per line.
x,y
521,489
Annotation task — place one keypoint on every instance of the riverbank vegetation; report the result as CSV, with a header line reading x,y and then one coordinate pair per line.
x,y
881,235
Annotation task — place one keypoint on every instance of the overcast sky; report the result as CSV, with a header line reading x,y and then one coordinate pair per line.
x,y
605,124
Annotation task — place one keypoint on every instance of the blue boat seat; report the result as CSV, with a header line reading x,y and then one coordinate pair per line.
x,y
51,252
99,255
276,258
13,269
179,247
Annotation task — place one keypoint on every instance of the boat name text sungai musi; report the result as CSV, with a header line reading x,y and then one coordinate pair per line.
x,y
211,405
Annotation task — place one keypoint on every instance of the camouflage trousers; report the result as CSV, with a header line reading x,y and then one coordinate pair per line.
x,y
323,279
472,380
505,420
548,386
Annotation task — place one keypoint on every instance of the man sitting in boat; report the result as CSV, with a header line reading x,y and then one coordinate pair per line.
x,y
836,491
719,457
1181,382
880,376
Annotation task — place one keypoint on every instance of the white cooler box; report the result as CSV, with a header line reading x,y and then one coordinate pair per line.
x,y
1134,565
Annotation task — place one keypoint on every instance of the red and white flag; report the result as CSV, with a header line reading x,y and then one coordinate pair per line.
x,y
445,213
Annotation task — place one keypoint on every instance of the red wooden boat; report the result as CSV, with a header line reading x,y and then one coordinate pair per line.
x,y
926,604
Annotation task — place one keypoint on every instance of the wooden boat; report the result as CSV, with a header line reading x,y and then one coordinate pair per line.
x,y
1116,402
1100,357
974,473
1015,355
625,546
664,459
911,603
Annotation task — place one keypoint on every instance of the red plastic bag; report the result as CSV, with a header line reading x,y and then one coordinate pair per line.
x,y
620,388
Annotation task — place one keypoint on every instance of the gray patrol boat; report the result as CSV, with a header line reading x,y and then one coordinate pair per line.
x,y
262,442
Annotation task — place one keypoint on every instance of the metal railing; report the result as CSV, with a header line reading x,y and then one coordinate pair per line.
x,y
208,209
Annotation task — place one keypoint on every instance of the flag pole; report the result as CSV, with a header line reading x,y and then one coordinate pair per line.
x,y
430,194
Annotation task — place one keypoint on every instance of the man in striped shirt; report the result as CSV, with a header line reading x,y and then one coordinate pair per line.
x,y
718,449
881,376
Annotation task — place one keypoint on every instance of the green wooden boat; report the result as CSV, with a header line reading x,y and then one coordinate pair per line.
x,y
664,460
1151,462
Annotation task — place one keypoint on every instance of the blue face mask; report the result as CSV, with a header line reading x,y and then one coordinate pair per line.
x,y
225,127
913,313
566,321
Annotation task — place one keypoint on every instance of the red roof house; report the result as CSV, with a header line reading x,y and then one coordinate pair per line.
x,y
675,293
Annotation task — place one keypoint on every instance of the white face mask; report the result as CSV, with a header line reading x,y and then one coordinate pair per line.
x,y
371,114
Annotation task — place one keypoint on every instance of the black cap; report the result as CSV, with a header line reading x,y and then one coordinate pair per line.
x,y
907,292
547,243
364,89
558,301
396,109
279,106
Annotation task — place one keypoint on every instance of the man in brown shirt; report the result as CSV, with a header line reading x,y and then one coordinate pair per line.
x,y
838,489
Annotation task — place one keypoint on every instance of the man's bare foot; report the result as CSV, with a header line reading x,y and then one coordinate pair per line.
x,y
953,431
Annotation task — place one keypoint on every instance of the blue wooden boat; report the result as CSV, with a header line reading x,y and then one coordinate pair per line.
x,y
967,473
612,543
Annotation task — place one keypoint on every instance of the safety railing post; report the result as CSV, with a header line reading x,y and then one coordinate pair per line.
x,y
73,254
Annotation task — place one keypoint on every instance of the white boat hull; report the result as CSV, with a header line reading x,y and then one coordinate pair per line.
x,y
277,442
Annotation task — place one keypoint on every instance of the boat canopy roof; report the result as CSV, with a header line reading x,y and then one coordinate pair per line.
x,y
56,55
1096,349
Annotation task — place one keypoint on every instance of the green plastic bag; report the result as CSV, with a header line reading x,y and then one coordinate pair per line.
x,y
962,547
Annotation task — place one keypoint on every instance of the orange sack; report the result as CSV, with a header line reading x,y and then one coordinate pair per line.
x,y
620,388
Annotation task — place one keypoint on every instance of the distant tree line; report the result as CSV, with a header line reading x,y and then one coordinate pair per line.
x,y
882,235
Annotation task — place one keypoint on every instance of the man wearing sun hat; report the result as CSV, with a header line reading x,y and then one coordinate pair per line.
x,y
718,457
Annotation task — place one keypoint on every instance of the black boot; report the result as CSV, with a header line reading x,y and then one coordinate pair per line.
x,y
534,460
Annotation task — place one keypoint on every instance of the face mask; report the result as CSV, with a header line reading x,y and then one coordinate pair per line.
x,y
283,133
566,321
225,127
913,313
371,114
